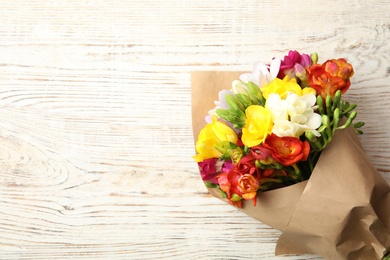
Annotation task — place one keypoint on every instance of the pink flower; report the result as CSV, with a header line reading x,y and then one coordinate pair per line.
x,y
227,166
292,64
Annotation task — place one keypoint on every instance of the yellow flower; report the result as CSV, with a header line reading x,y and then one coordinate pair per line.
x,y
258,125
309,90
211,135
282,87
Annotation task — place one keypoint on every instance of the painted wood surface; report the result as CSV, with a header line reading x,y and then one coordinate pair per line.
x,y
95,122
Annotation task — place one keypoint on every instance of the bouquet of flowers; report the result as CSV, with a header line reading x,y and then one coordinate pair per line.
x,y
281,145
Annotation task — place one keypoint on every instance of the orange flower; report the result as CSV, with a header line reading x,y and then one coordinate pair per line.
x,y
248,186
241,182
329,77
287,150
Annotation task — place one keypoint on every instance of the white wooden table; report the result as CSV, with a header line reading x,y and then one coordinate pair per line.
x,y
95,121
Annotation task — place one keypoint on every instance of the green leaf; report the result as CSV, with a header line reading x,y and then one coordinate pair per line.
x,y
223,194
209,184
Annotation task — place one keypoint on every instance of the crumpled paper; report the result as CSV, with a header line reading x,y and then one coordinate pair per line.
x,y
341,212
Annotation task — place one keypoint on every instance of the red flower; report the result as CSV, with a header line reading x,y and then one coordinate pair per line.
x,y
247,165
287,150
329,77
263,154
241,182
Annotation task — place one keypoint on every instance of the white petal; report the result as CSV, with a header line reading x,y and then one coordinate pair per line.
x,y
314,121
264,77
275,67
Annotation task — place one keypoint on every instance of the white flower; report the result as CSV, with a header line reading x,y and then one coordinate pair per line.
x,y
277,107
262,74
293,116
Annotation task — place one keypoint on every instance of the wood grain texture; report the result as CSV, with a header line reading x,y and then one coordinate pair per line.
x,y
95,122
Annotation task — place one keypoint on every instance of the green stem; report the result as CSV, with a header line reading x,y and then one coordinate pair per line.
x,y
313,159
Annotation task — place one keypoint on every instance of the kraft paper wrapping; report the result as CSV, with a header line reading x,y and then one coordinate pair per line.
x,y
341,212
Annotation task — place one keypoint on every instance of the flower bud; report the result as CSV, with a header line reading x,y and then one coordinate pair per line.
x,y
336,118
300,72
236,155
235,197
349,120
254,92
336,99
245,100
239,87
314,58
328,103
336,113
234,103
358,124
310,136
325,120
320,104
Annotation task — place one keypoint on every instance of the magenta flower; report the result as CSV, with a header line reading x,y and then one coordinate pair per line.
x,y
227,166
288,65
210,168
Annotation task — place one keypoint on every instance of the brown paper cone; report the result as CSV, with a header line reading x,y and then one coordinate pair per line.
x,y
341,212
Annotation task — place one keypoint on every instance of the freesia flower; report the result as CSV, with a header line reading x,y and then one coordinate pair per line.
x,y
210,136
248,186
294,115
241,182
258,125
283,87
293,63
227,166
329,77
262,74
239,87
247,165
287,150
262,154
209,169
